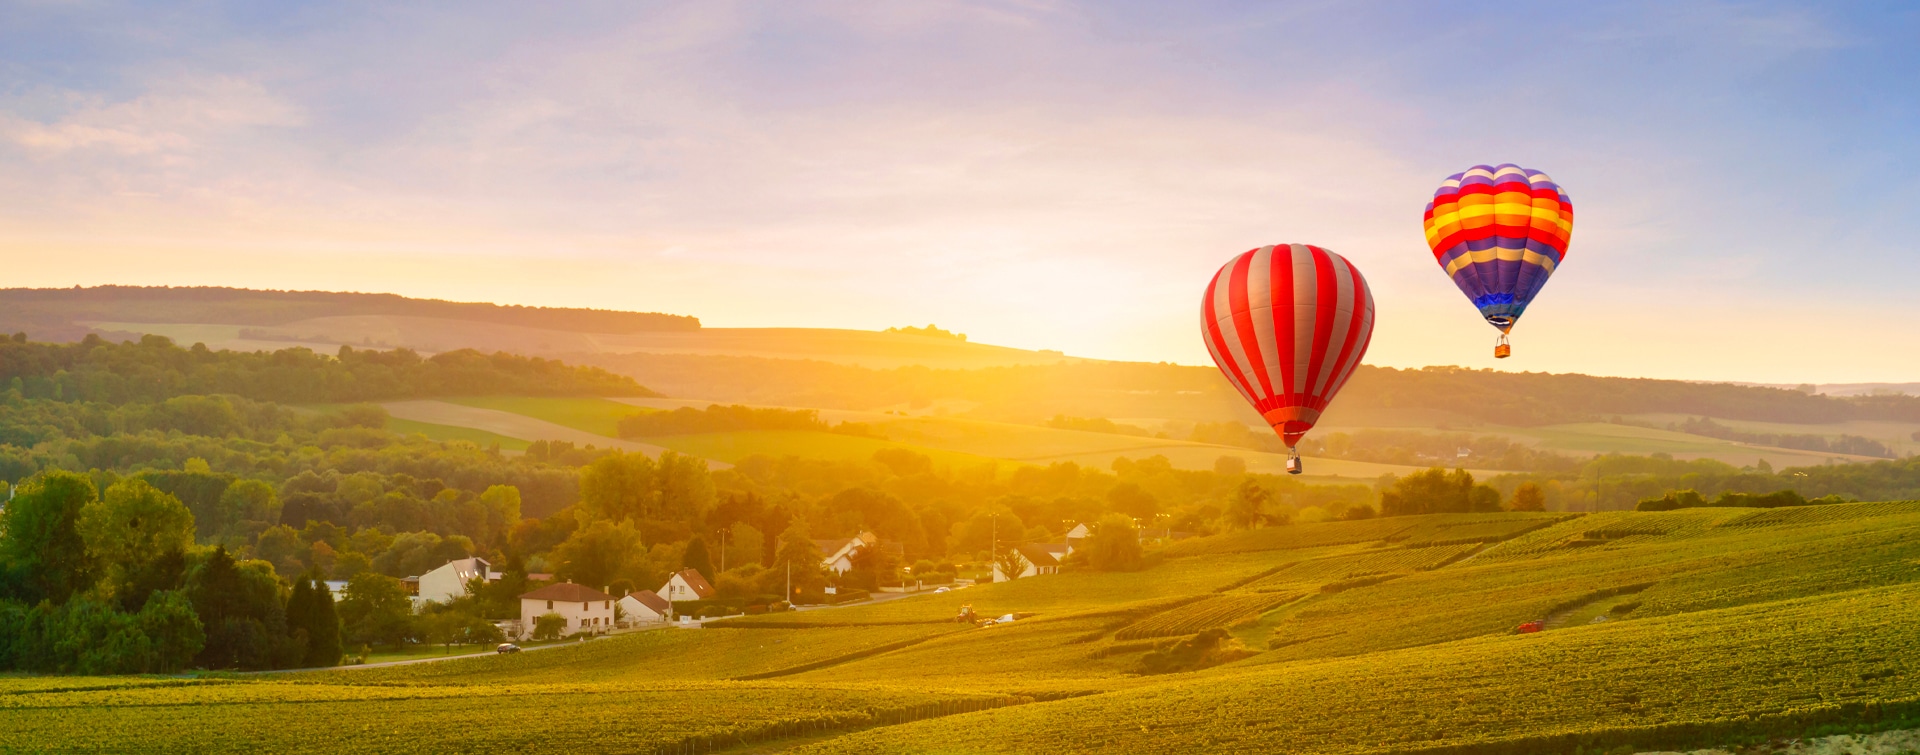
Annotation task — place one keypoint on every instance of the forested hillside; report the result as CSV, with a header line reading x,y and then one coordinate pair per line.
x,y
1132,389
95,369
61,313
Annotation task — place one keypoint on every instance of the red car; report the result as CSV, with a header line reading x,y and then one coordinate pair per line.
x,y
1530,627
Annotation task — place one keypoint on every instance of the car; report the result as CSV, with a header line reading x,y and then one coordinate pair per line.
x,y
507,647
943,589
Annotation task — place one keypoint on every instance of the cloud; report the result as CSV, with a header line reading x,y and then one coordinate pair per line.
x,y
173,117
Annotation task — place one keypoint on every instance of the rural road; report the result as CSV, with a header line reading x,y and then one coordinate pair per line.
x,y
517,426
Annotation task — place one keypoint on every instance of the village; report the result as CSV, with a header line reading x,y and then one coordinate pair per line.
x,y
564,609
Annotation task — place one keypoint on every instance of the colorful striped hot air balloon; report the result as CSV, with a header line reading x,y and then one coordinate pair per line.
x,y
1499,232
1287,324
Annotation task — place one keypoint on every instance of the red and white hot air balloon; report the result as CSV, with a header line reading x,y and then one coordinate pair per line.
x,y
1287,324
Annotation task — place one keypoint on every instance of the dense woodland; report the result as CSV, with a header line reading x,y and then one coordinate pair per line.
x,y
60,314
154,368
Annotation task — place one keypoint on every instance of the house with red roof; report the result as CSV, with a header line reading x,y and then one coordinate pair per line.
x,y
686,584
641,606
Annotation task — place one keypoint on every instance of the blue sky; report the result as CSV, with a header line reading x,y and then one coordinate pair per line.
x,y
1039,174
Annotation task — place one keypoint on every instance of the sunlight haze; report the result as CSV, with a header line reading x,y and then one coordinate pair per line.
x,y
1034,174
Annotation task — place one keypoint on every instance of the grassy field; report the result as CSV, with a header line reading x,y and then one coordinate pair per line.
x,y
475,436
733,446
594,415
1665,629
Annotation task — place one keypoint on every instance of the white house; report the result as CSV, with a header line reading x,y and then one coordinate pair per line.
x,y
450,580
643,606
686,584
584,608
1041,558
837,555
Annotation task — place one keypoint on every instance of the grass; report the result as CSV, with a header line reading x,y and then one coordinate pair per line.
x,y
731,447
594,415
477,437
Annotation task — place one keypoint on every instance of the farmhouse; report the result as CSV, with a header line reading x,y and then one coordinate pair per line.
x,y
584,608
686,584
642,606
837,555
449,581
1040,558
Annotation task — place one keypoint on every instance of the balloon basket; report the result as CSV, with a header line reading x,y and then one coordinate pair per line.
x,y
1501,350
1293,462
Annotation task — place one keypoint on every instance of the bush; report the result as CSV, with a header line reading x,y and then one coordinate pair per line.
x,y
1210,648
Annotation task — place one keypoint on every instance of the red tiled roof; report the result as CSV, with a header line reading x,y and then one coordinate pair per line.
x,y
651,600
697,582
567,592
1038,555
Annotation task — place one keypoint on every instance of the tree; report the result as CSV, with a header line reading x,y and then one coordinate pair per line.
x,y
549,626
1483,498
501,504
619,487
310,610
133,526
1434,491
1529,497
280,546
245,501
1248,509
1229,466
42,553
173,632
1130,499
745,545
1114,545
376,610
1010,564
600,552
697,559
241,610
799,558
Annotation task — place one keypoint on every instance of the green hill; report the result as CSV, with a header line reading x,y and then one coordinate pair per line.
x,y
1663,630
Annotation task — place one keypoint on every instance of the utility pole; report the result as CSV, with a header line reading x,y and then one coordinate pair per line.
x,y
723,549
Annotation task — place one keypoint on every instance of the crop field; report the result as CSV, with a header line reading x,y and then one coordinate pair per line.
x,y
1194,618
1745,670
286,716
1385,561
1668,630
1051,595
475,436
662,654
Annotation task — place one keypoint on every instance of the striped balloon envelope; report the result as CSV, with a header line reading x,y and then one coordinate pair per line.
x,y
1287,324
1499,233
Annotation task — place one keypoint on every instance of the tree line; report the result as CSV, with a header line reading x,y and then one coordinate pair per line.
x,y
154,369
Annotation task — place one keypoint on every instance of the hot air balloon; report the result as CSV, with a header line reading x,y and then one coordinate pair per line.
x,y
1287,324
1499,232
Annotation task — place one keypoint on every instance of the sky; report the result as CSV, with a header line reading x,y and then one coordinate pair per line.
x,y
1056,175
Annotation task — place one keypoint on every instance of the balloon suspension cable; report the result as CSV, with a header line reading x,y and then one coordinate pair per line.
x,y
1500,348
1293,460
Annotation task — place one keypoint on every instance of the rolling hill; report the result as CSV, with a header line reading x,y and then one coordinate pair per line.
x,y
1662,630
931,374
